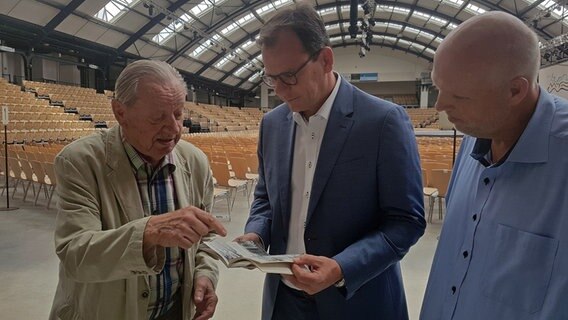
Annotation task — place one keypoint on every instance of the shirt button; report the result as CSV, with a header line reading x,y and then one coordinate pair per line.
x,y
309,164
474,217
453,289
465,254
486,181
307,195
145,294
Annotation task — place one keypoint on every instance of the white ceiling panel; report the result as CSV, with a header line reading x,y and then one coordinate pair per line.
x,y
136,47
194,66
247,85
212,74
181,63
90,7
33,12
132,22
112,38
91,31
71,25
7,5
161,54
176,42
232,81
62,2
148,51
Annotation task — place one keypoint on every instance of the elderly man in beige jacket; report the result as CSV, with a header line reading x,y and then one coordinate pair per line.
x,y
132,210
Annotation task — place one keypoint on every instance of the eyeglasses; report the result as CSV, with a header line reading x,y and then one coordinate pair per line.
x,y
288,78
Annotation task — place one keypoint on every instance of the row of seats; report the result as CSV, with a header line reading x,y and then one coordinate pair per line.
x,y
422,118
233,160
30,167
45,88
84,101
216,118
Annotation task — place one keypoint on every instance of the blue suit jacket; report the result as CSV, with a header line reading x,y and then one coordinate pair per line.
x,y
366,207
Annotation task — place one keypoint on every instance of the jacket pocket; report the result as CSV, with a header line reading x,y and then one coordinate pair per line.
x,y
518,268
66,312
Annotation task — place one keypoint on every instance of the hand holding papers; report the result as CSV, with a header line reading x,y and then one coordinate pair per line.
x,y
248,254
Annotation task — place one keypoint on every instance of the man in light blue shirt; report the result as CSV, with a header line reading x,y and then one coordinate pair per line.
x,y
503,251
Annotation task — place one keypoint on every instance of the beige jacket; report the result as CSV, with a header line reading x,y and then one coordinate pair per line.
x,y
99,228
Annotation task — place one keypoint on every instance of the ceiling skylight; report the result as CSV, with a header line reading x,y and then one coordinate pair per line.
x,y
172,28
114,9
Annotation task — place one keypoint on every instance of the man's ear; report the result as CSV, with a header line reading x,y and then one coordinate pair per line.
x,y
519,88
327,58
119,110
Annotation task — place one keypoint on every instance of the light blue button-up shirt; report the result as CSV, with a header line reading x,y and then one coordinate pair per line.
x,y
503,250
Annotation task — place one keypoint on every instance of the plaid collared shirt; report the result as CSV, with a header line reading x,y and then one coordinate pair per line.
x,y
157,192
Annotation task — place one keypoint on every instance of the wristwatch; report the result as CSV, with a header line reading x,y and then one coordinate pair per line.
x,y
340,283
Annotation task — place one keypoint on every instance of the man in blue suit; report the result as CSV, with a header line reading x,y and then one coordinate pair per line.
x,y
340,180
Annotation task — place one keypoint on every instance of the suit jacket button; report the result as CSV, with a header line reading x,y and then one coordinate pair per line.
x,y
145,294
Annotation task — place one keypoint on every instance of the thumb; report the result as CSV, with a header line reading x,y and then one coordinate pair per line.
x,y
199,291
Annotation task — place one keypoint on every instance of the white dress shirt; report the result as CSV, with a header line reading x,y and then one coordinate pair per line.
x,y
309,134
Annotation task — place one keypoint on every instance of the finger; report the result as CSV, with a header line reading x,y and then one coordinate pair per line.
x,y
212,223
183,243
189,241
240,238
198,292
188,235
300,269
247,237
308,259
205,314
209,308
205,287
199,228
302,275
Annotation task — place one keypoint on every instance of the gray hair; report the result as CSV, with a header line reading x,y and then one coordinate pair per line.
x,y
126,86
303,20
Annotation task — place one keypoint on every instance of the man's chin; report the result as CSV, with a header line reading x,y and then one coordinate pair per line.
x,y
294,106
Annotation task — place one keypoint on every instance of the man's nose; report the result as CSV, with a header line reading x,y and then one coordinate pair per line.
x,y
441,104
172,124
280,87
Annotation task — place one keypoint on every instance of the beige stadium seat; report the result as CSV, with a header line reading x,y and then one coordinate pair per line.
x,y
439,179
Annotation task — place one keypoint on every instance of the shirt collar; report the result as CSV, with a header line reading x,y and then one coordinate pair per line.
x,y
325,108
532,146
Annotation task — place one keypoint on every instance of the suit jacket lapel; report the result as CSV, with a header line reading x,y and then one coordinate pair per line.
x,y
120,172
336,132
285,145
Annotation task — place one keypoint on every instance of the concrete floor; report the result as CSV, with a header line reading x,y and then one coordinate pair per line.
x,y
28,265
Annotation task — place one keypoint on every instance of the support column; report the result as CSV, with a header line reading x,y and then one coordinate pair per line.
x,y
193,94
424,89
263,96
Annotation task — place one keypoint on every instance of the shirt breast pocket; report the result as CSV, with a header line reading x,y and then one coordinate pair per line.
x,y
518,268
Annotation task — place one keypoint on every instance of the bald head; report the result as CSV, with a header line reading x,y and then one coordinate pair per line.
x,y
495,43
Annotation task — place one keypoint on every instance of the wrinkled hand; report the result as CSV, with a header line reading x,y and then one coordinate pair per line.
x,y
181,228
204,298
324,273
250,237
